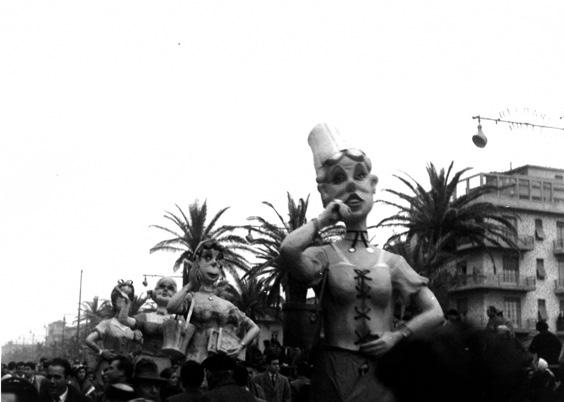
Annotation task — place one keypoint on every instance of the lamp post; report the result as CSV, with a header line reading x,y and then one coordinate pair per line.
x,y
480,139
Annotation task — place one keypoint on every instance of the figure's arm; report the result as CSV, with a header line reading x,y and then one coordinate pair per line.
x,y
176,303
123,315
252,332
431,316
293,246
91,340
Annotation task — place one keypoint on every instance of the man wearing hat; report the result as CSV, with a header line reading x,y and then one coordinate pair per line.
x,y
361,278
147,381
223,388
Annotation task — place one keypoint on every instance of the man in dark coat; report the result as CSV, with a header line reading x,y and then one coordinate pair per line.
x,y
276,386
56,388
545,344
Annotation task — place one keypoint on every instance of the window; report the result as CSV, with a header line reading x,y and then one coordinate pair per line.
x,y
559,177
542,314
539,231
560,265
461,268
510,268
462,306
559,230
512,310
541,273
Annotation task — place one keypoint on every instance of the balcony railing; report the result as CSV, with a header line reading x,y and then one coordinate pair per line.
x,y
504,281
515,186
558,247
559,286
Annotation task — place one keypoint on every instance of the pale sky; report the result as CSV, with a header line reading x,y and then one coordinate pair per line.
x,y
113,111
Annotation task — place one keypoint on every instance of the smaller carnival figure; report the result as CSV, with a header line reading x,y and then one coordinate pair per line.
x,y
115,338
219,325
151,323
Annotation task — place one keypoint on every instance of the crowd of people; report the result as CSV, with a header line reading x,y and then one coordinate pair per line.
x,y
283,374
272,375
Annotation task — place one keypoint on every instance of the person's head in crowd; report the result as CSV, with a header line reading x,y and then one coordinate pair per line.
x,y
453,315
542,326
42,366
492,311
219,367
80,373
171,376
4,369
147,381
122,289
119,370
29,370
16,389
12,367
191,375
274,336
251,369
58,372
20,369
273,364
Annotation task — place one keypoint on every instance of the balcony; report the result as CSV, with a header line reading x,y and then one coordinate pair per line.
x,y
505,281
517,191
559,287
524,243
558,247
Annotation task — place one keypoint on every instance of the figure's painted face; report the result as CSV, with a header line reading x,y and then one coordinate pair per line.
x,y
210,265
350,181
165,289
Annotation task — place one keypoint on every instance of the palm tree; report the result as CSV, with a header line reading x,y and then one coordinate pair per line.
x,y
95,310
270,276
435,221
190,230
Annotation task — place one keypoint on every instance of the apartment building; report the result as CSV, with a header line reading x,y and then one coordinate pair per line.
x,y
527,285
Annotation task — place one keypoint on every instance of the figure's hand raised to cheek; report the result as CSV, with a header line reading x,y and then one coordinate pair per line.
x,y
334,212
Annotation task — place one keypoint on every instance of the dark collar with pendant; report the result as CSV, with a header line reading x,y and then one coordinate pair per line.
x,y
358,238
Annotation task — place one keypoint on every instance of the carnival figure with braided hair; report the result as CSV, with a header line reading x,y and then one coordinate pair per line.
x,y
110,337
219,325
360,279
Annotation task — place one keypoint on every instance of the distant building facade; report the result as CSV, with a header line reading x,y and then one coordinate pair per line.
x,y
528,285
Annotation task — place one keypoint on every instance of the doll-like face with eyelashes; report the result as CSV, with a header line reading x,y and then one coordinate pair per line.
x,y
350,181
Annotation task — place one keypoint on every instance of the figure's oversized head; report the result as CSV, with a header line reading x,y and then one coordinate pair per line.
x,y
164,290
342,172
207,266
123,289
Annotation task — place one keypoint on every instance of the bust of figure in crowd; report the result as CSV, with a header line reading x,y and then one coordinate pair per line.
x,y
219,325
361,278
110,337
151,323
